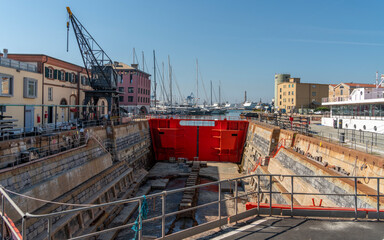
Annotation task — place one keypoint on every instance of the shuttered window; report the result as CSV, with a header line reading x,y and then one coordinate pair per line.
x,y
46,72
55,74
30,88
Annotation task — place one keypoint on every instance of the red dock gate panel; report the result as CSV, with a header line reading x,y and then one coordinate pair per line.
x,y
210,140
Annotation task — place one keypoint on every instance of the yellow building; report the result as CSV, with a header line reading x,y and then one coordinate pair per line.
x,y
21,83
342,91
63,84
294,95
51,85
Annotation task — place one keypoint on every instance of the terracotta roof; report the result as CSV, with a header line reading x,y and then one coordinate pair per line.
x,y
122,65
363,85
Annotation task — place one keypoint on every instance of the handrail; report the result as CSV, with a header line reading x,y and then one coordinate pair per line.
x,y
163,195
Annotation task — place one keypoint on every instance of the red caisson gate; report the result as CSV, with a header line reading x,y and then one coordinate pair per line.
x,y
209,140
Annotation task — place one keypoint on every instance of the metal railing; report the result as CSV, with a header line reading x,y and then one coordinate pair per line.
x,y
266,189
370,142
195,117
6,62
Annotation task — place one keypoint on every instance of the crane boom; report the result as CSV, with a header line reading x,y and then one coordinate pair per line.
x,y
100,69
98,64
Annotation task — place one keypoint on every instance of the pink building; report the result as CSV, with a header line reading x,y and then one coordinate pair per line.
x,y
136,88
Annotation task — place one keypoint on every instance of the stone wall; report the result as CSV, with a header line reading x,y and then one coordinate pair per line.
x,y
262,139
305,155
290,162
86,174
349,161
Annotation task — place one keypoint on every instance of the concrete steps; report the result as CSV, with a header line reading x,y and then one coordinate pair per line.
x,y
124,215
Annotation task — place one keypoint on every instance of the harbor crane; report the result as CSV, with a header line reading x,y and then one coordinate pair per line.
x,y
100,69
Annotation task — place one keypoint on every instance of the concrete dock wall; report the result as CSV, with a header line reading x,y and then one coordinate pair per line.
x,y
305,155
111,165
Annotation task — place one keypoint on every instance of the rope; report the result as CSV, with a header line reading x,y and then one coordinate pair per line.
x,y
46,201
143,212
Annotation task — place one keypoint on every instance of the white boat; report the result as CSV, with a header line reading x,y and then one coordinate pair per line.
x,y
249,105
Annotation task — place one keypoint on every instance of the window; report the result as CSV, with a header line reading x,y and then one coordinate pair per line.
x,y
130,78
55,74
48,72
72,78
138,99
280,89
102,107
280,96
130,98
341,92
60,75
289,85
280,103
50,94
292,92
121,89
30,88
313,94
313,86
289,93
66,77
130,89
83,80
121,98
121,78
6,85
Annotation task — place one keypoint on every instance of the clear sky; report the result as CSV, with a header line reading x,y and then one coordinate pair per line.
x,y
240,43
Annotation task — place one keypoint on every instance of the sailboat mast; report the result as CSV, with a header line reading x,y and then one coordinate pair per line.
x,y
197,82
162,63
133,55
142,53
170,78
211,93
219,95
154,78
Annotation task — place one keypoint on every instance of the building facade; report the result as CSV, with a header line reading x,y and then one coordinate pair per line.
x,y
362,110
21,83
63,84
280,78
294,95
342,91
135,88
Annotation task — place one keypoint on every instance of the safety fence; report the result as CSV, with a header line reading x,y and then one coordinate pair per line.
x,y
369,142
265,187
195,117
19,121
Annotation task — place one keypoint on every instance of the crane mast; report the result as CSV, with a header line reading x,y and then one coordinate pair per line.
x,y
100,68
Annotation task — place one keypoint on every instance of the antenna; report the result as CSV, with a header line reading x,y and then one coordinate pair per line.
x,y
377,79
134,54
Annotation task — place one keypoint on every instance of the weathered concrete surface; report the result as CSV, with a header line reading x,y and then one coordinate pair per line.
x,y
83,175
300,228
293,163
353,161
220,171
165,169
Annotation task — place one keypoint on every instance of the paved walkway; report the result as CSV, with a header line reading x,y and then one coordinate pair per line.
x,y
364,141
302,228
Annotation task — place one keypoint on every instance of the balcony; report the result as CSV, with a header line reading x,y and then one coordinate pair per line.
x,y
335,99
6,62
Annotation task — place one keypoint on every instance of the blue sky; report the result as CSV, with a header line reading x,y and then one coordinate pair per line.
x,y
240,43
